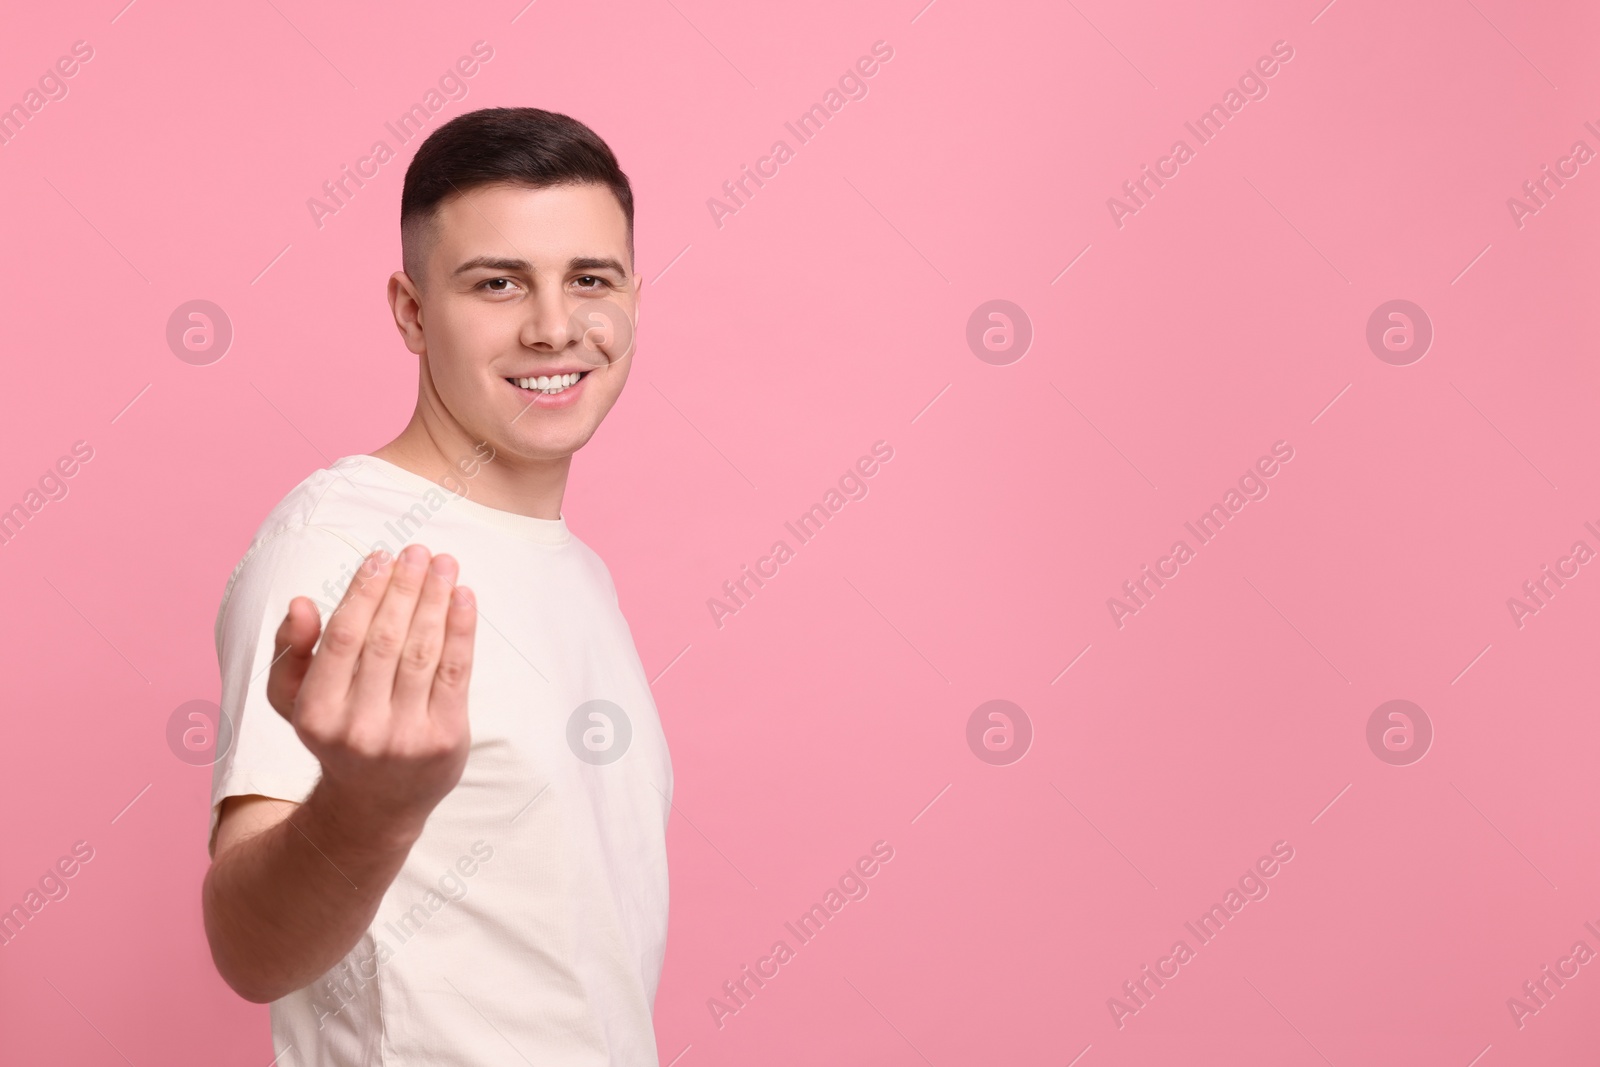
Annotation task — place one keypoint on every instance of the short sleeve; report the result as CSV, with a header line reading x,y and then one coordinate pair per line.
x,y
266,756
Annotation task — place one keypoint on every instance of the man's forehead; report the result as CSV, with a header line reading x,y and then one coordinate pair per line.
x,y
511,228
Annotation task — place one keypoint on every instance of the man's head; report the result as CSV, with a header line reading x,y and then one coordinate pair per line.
x,y
517,242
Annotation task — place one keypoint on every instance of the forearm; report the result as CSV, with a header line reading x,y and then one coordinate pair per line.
x,y
282,907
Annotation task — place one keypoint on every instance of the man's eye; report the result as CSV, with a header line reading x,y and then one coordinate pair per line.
x,y
495,282
592,278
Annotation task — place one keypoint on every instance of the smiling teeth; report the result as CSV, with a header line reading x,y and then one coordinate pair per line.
x,y
550,385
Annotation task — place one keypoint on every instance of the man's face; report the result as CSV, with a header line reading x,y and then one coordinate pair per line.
x,y
522,286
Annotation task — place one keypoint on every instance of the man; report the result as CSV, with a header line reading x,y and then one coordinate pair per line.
x,y
439,836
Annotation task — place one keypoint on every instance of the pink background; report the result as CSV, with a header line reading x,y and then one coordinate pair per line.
x,y
774,350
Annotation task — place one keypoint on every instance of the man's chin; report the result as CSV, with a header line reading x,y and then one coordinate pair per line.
x,y
541,447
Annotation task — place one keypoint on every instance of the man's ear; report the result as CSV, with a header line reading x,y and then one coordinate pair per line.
x,y
406,305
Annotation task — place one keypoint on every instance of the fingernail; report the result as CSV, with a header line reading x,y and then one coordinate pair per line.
x,y
464,597
440,564
412,555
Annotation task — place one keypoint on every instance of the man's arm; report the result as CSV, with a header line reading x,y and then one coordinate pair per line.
x,y
289,893
382,704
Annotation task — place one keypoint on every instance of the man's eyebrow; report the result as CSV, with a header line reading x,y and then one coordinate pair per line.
x,y
492,263
596,263
522,265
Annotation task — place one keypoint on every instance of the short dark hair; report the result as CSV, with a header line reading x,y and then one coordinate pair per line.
x,y
512,145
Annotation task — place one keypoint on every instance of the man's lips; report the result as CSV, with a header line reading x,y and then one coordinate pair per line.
x,y
550,372
537,398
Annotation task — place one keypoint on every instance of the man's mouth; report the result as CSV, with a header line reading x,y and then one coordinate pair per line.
x,y
548,384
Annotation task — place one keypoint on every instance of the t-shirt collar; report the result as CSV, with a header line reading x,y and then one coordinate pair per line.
x,y
545,531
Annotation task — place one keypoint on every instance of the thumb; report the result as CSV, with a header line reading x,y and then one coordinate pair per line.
x,y
291,654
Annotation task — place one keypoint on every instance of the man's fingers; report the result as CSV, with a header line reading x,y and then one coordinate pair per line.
x,y
327,682
413,679
386,635
448,701
291,654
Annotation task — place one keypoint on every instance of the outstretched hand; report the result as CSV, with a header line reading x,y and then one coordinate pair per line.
x,y
382,703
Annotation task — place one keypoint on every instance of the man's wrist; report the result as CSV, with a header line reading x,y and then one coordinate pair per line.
x,y
353,827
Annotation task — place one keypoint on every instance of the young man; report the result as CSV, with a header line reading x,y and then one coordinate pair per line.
x,y
439,836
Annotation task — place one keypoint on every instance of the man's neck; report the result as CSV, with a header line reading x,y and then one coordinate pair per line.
x,y
493,477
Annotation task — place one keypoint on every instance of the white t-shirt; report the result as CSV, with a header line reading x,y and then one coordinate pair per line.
x,y
528,924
